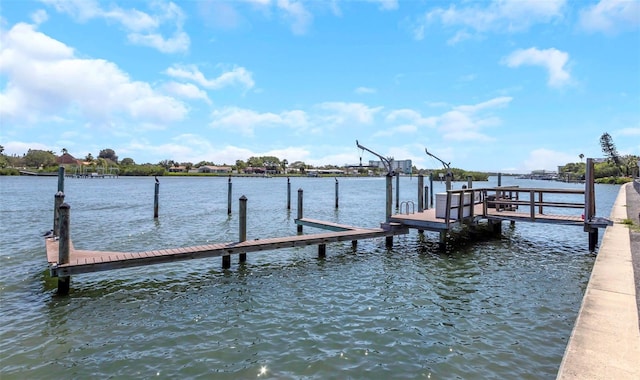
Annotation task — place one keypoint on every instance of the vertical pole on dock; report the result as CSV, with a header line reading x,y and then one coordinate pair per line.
x,y
229,193
63,247
337,193
431,189
61,178
300,209
288,194
420,192
590,204
322,250
156,203
499,179
389,190
397,191
242,233
426,197
58,200
448,181
469,182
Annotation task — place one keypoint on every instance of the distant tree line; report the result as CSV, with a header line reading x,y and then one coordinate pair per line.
x,y
40,160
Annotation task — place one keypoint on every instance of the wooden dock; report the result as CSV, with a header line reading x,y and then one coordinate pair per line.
x,y
467,206
84,261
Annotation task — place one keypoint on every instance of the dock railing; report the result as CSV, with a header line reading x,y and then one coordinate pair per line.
x,y
534,199
460,204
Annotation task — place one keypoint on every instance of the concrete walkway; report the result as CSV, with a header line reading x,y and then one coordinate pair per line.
x,y
605,342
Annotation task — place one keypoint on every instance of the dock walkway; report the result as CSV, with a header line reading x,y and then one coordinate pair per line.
x,y
85,261
605,341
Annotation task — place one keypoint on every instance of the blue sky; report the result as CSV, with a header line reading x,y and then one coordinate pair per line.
x,y
486,85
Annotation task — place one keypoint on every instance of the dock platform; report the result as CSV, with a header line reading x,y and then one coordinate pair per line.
x,y
84,261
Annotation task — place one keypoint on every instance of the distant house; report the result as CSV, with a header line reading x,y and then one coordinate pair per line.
x,y
177,169
255,170
67,159
214,169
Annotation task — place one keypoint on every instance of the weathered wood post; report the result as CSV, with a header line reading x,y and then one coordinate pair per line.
x,y
229,194
469,182
420,192
300,209
590,204
499,179
242,233
337,193
448,181
156,203
58,200
61,178
288,194
426,197
322,250
397,191
389,202
431,189
64,246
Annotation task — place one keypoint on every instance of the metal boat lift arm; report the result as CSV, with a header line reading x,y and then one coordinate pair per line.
x,y
445,164
385,161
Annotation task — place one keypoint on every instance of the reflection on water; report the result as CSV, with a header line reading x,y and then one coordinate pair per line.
x,y
498,307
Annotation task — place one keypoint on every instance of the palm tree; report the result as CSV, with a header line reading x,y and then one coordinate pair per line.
x,y
581,156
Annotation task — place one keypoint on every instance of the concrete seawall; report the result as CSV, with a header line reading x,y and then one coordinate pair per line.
x,y
605,341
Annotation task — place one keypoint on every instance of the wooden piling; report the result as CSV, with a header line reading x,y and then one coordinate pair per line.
x,y
431,189
420,193
229,195
322,250
337,193
156,203
426,197
242,233
288,194
499,179
590,204
61,178
389,201
58,200
300,209
448,181
397,191
469,182
64,246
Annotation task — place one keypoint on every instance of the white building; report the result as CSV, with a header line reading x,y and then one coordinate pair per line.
x,y
399,166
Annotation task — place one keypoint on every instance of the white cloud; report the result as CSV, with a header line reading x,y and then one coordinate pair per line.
x,y
411,116
546,159
553,60
498,16
365,90
246,121
341,113
297,14
611,16
39,16
237,76
44,77
400,129
186,90
142,28
387,5
628,132
177,43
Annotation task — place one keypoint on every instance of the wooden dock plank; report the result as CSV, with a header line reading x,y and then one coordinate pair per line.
x,y
116,260
324,224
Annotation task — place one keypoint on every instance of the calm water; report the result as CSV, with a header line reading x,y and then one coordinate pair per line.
x,y
501,308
